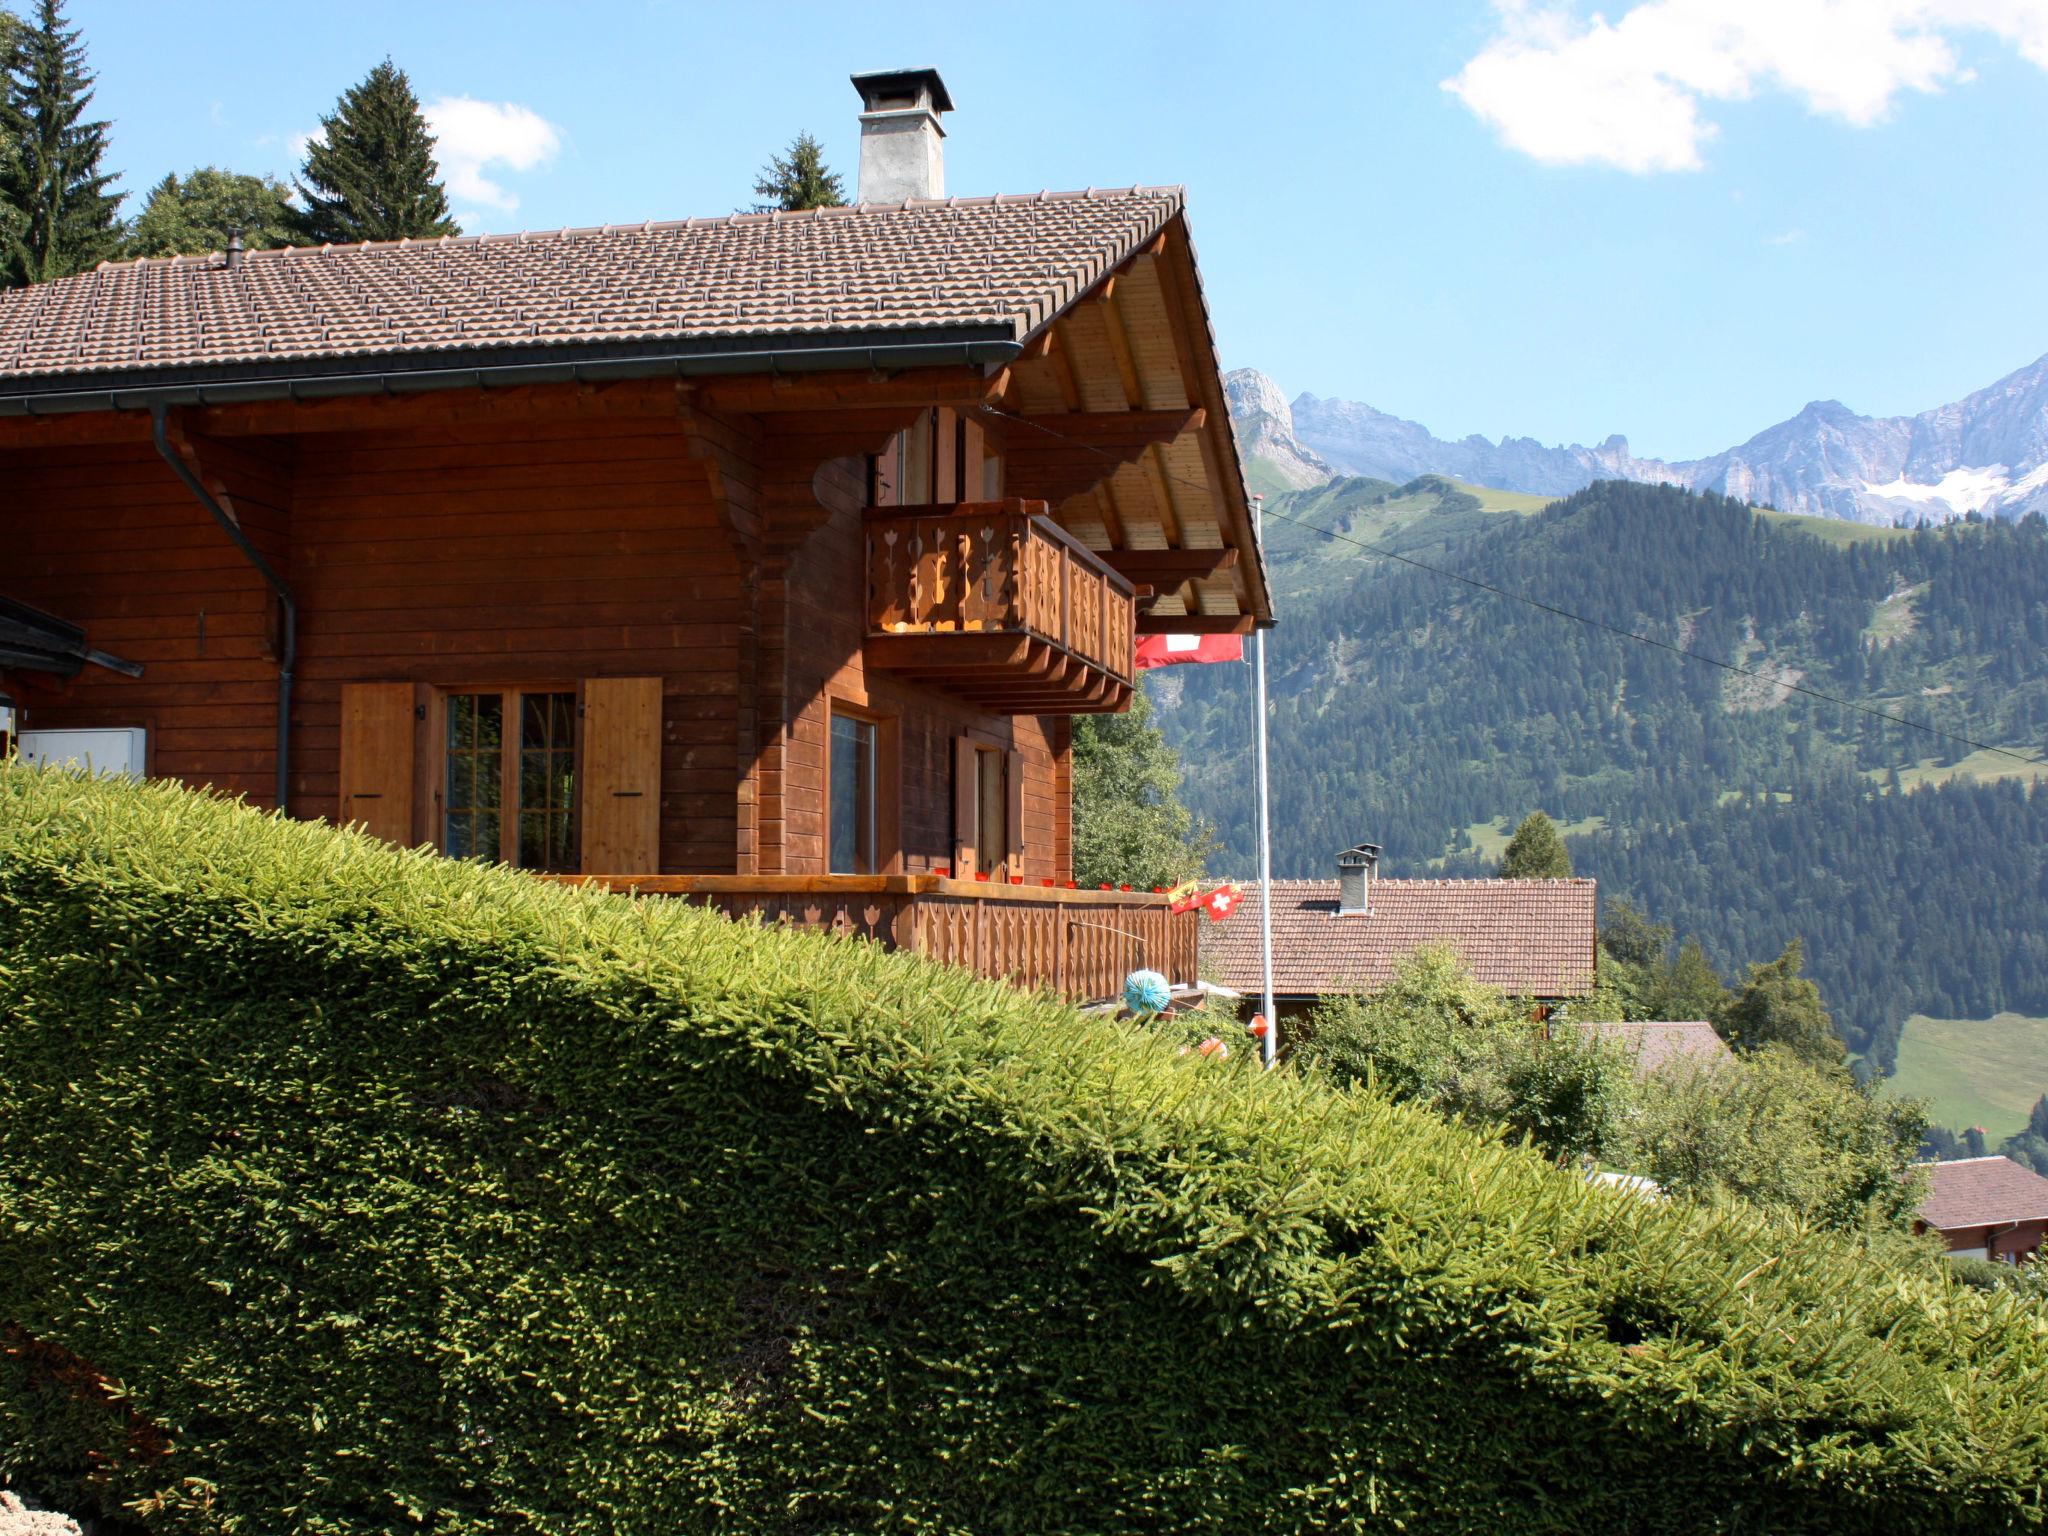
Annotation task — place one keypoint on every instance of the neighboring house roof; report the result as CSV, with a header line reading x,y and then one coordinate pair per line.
x,y
1531,938
1657,1044
1982,1192
991,268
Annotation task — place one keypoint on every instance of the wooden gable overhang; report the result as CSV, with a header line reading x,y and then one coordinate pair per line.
x,y
1115,415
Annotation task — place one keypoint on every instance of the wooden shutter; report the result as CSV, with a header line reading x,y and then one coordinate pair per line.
x,y
1013,811
376,759
622,776
966,806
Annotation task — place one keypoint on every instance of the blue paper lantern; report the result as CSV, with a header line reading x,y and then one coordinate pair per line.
x,y
1146,993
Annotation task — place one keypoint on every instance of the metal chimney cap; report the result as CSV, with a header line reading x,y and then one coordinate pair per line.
x,y
894,85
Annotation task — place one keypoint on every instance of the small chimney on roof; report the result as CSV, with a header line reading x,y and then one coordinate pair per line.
x,y
902,146
1355,867
234,250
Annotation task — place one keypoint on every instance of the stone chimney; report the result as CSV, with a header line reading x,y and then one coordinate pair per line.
x,y
1355,868
902,146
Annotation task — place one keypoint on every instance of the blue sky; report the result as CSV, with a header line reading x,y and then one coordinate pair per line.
x,y
1679,221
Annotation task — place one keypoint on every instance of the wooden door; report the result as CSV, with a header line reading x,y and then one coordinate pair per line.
x,y
622,776
377,734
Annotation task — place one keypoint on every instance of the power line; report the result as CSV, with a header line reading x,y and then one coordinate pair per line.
x,y
1562,613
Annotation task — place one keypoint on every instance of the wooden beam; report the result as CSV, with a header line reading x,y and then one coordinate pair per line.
x,y
1120,346
827,391
1168,567
1063,367
1112,519
1162,487
1196,624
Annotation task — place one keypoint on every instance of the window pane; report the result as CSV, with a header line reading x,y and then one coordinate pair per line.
x,y
547,781
853,796
473,776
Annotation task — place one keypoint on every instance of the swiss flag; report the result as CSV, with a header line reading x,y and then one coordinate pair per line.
x,y
1172,650
1222,901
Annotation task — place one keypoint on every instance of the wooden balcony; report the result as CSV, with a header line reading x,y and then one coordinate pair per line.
x,y
1081,944
998,604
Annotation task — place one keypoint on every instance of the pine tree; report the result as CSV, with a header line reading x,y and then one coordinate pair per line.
x,y
370,174
1536,852
196,214
65,220
799,180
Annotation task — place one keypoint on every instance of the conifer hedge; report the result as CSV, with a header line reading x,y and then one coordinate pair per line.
x,y
345,1190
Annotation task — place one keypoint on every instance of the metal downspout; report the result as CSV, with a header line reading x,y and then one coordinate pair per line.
x,y
290,642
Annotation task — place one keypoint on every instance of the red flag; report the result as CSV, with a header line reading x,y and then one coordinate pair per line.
x,y
1184,897
1172,650
1222,901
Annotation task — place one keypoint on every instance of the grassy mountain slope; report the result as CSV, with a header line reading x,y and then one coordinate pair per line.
x,y
1409,709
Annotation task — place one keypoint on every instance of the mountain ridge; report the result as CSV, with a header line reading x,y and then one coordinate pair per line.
x,y
1985,453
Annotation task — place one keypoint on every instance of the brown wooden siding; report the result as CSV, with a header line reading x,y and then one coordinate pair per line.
x,y
480,552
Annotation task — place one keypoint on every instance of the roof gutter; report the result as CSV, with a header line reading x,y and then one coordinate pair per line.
x,y
236,384
289,645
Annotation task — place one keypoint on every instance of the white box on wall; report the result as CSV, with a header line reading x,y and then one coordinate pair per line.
x,y
113,749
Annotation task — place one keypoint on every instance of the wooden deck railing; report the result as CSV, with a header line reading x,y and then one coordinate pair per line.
x,y
1081,944
998,570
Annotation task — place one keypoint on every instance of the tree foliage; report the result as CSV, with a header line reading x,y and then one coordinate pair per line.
x,y
1779,1006
2029,1145
64,213
1773,1129
1536,851
1435,1036
370,172
798,180
193,215
1130,827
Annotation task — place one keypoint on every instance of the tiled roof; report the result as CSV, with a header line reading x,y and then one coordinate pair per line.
x,y
1982,1192
1531,938
1005,264
1661,1043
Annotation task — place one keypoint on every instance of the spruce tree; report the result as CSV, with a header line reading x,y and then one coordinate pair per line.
x,y
799,180
64,217
370,174
1536,852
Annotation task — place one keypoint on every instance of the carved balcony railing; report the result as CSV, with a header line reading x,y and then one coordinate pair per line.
x,y
1081,944
995,602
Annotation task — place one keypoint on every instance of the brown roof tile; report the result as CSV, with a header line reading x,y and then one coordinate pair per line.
x,y
1664,1043
1531,938
1982,1192
1006,263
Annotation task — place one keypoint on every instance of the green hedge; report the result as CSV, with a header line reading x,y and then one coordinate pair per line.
x,y
344,1190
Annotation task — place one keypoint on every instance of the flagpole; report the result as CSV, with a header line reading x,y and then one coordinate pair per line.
x,y
1269,1042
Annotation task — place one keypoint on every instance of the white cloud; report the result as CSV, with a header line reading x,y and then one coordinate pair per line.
x,y
1568,89
473,136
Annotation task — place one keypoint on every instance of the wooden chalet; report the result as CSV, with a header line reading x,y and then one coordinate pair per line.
x,y
760,560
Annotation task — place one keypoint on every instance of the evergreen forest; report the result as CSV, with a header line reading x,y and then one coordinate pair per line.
x,y
1415,708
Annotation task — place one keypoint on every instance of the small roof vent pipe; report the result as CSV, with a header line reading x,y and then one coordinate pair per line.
x,y
902,146
1355,867
234,250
